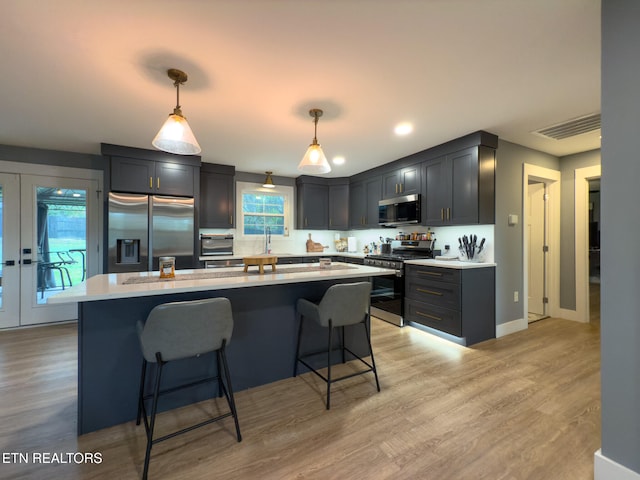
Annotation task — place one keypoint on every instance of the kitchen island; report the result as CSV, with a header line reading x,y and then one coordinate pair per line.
x,y
262,347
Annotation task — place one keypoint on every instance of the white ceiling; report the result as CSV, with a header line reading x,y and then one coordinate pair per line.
x,y
78,73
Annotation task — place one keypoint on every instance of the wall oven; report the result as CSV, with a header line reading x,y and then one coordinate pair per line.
x,y
212,245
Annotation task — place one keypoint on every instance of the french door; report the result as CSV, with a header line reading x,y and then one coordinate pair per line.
x,y
50,242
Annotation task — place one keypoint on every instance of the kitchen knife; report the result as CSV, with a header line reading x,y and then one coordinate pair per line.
x,y
481,245
460,247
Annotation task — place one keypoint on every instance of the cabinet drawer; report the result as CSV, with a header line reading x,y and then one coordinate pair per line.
x,y
442,274
443,319
435,292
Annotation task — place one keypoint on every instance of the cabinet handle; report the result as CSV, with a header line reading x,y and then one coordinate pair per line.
x,y
230,219
430,292
305,221
442,214
396,188
433,317
448,213
434,274
330,222
400,188
150,182
158,183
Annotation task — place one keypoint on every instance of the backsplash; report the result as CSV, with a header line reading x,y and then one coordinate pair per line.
x,y
295,243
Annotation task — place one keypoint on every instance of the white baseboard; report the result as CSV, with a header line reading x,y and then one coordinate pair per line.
x,y
511,327
568,314
606,469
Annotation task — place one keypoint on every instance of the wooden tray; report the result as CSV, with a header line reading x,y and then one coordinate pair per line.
x,y
260,261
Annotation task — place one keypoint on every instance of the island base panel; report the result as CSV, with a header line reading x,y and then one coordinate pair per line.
x,y
261,351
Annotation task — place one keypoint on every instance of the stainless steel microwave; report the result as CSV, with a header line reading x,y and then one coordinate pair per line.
x,y
399,210
211,245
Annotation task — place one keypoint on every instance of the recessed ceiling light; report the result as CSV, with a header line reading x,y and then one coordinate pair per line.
x,y
403,128
338,160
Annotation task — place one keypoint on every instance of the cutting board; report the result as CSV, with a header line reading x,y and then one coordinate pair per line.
x,y
260,261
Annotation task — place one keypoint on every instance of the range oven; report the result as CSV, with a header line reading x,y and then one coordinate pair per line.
x,y
387,291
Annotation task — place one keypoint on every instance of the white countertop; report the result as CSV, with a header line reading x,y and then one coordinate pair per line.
x,y
110,286
449,263
284,255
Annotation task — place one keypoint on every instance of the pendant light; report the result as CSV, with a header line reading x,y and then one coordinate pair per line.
x,y
176,136
314,161
268,182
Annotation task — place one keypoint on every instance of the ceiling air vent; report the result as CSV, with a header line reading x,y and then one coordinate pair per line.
x,y
571,128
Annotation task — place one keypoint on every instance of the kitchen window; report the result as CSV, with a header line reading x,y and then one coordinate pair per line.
x,y
263,208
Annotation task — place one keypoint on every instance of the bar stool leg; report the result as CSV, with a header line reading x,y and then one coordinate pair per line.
x,y
329,366
373,361
141,396
230,398
295,365
154,409
342,343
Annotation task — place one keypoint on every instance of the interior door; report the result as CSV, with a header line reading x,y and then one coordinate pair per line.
x,y
58,241
9,250
536,232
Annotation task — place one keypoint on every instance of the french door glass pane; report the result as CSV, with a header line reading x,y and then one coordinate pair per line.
x,y
62,239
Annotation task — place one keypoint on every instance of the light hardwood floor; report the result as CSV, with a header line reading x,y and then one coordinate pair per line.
x,y
526,406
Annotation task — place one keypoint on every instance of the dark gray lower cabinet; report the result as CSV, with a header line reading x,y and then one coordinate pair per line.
x,y
355,260
292,260
460,302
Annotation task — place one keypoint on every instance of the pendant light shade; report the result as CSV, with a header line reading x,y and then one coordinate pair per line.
x,y
268,182
314,160
176,136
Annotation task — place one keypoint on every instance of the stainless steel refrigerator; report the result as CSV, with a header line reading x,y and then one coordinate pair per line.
x,y
143,228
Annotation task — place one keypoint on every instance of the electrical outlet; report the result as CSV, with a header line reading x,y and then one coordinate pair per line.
x,y
516,296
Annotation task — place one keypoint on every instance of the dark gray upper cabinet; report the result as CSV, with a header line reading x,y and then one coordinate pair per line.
x,y
322,203
174,179
364,196
404,181
217,195
459,188
437,195
147,176
138,170
312,203
339,205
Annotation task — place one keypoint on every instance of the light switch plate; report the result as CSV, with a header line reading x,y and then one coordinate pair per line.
x,y
513,219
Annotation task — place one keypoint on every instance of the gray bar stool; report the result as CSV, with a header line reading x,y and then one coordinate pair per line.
x,y
179,330
342,305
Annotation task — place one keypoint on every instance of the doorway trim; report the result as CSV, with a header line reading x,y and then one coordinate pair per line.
x,y
582,177
551,178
